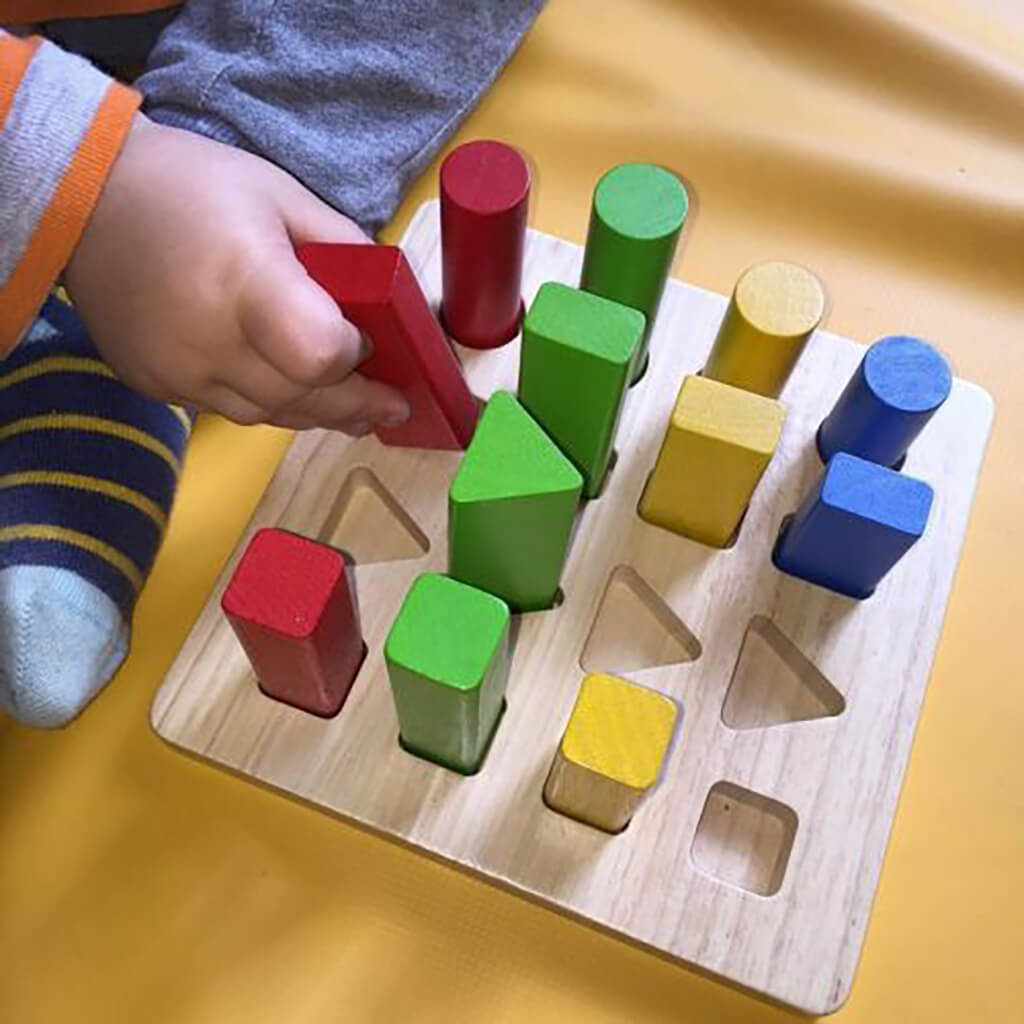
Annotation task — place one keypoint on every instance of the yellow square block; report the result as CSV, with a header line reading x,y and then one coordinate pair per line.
x,y
719,442
611,752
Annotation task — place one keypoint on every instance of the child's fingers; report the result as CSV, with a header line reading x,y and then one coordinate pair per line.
x,y
338,406
292,422
297,327
235,407
354,401
357,428
260,395
255,380
356,406
231,405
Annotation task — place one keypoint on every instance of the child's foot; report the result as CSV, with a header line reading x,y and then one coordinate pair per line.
x,y
88,471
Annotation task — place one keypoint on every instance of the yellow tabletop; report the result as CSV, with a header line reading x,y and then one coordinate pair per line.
x,y
880,144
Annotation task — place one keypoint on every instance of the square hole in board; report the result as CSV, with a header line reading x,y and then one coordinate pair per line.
x,y
744,838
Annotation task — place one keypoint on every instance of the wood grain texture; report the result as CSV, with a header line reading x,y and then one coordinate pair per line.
x,y
773,889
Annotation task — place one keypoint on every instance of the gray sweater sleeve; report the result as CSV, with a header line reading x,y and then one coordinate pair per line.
x,y
352,98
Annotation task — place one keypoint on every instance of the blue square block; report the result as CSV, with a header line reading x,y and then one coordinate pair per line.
x,y
853,527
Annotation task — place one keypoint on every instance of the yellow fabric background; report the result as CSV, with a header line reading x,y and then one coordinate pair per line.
x,y
879,144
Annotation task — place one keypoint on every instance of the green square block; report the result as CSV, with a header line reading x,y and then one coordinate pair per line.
x,y
448,660
574,372
511,508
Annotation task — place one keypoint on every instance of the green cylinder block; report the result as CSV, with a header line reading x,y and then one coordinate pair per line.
x,y
635,219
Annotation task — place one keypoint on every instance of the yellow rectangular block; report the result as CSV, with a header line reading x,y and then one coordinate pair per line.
x,y
611,753
719,442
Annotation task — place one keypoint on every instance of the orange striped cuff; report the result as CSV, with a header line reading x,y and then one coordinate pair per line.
x,y
15,57
63,221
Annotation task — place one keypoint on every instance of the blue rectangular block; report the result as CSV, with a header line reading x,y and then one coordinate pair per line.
x,y
854,526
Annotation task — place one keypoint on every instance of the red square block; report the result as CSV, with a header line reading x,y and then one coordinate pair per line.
x,y
376,290
293,609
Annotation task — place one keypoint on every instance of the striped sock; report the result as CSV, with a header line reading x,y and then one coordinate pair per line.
x,y
88,471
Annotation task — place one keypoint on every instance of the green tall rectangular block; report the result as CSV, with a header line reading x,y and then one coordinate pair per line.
x,y
574,372
448,660
511,508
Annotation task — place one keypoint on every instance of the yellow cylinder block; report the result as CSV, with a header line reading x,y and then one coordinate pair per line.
x,y
775,307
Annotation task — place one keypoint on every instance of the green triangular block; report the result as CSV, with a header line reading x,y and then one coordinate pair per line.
x,y
511,508
511,457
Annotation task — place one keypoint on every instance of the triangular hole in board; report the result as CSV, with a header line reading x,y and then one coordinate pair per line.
x,y
367,522
635,629
774,683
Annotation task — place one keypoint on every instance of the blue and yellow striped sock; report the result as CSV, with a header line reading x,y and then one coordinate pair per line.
x,y
88,471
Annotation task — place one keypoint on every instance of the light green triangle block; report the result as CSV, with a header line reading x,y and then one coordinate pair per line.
x,y
511,457
511,508
574,372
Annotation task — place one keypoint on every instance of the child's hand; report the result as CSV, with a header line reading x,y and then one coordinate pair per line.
x,y
187,279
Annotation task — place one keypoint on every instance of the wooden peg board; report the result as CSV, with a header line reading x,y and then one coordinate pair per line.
x,y
758,855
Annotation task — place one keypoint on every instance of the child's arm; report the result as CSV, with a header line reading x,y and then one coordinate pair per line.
x,y
177,251
187,279
63,124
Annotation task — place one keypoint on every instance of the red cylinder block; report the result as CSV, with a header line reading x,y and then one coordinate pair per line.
x,y
485,189
293,609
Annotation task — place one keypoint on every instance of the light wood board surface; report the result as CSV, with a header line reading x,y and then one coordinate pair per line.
x,y
758,855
